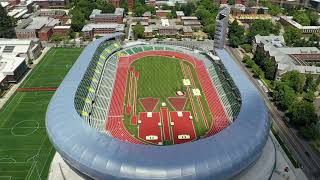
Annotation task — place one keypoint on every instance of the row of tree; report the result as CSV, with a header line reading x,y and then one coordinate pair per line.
x,y
294,94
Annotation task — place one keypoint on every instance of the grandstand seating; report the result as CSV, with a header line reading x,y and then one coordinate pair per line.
x,y
91,108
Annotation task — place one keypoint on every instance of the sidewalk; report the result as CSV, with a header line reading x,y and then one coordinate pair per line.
x,y
14,87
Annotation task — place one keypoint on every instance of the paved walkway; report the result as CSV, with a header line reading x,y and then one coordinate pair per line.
x,y
14,87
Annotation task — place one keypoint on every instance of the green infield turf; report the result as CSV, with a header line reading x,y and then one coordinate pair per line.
x,y
25,150
161,77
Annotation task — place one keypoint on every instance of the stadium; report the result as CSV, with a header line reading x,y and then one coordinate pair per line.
x,y
156,111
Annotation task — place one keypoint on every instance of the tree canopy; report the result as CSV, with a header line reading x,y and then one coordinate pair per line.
x,y
236,34
138,30
7,24
263,28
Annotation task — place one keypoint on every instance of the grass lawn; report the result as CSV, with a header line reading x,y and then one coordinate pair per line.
x,y
25,150
161,77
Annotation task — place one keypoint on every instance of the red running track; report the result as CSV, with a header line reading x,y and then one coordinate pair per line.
x,y
165,125
114,120
149,126
182,126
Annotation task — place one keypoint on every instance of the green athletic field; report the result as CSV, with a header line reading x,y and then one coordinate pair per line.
x,y
161,77
25,150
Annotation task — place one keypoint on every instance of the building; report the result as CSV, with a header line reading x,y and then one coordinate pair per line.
x,y
28,49
54,13
288,21
3,83
179,14
191,21
147,14
222,20
98,17
51,3
13,67
140,19
148,32
61,30
187,31
91,30
30,28
302,59
162,13
45,33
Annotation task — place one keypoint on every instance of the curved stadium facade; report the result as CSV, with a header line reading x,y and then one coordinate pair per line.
x,y
85,118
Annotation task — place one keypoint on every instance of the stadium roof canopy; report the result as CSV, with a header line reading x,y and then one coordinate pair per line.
x,y
99,156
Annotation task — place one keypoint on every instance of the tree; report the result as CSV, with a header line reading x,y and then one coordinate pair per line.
x,y
284,95
236,34
314,17
77,20
263,28
310,84
310,132
270,69
138,30
250,63
303,114
256,71
57,38
7,24
138,11
302,18
292,35
210,29
72,34
105,6
188,8
295,80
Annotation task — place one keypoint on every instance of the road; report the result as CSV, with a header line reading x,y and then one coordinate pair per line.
x,y
309,161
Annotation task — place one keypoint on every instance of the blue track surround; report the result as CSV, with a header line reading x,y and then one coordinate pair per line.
x,y
221,156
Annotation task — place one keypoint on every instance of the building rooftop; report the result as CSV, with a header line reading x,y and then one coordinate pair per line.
x,y
187,29
9,63
62,27
189,18
14,46
290,20
163,11
179,13
148,29
287,57
147,14
90,27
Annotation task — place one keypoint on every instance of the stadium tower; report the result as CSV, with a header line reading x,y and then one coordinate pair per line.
x,y
221,27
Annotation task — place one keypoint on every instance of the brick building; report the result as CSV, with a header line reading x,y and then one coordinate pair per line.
x,y
162,13
30,28
91,30
98,17
61,30
45,33
191,21
148,32
187,31
51,3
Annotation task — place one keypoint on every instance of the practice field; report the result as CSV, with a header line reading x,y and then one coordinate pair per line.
x,y
153,85
25,150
